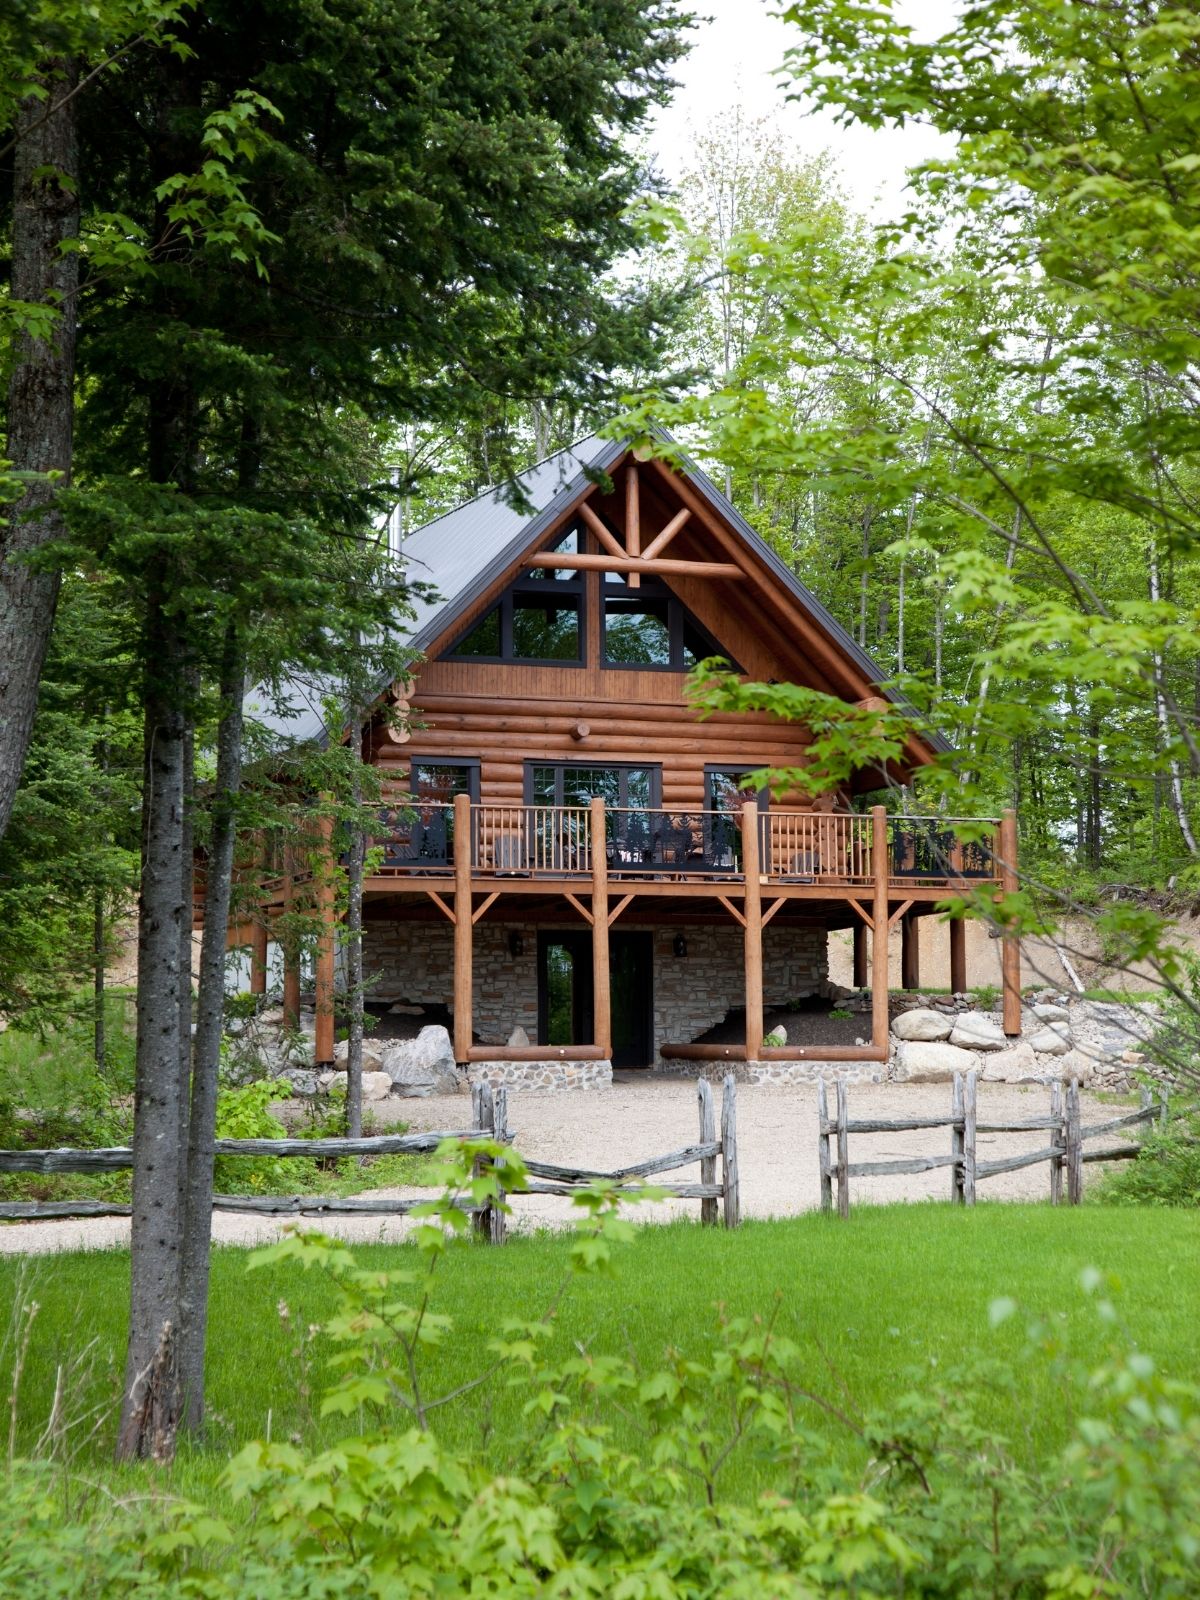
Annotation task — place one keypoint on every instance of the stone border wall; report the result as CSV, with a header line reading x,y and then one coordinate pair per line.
x,y
550,1077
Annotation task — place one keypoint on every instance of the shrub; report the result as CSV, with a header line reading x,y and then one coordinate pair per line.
x,y
1166,1173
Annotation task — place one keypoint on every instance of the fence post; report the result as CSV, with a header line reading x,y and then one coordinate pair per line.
x,y
843,1149
969,1119
823,1144
483,1118
729,1163
1058,1137
956,1140
1074,1146
496,1217
708,1135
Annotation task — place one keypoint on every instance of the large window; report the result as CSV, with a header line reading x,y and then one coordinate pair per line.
x,y
574,783
723,789
540,618
651,627
420,833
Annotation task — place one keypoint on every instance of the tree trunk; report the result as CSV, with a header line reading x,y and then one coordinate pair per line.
x,y
98,965
41,401
210,1018
354,959
1178,803
187,850
150,1407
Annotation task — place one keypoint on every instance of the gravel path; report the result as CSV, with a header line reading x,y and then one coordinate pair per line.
x,y
607,1128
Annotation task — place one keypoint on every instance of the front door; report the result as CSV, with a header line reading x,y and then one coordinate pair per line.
x,y
565,1011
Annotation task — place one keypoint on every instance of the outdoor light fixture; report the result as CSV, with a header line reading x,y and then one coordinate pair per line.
x,y
516,944
680,946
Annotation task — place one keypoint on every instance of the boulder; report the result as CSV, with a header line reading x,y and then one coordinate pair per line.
x,y
424,1065
1075,1064
975,1032
402,1008
372,1053
376,1085
1052,1041
1047,1012
921,1024
1017,1064
924,1061
518,1038
302,1081
777,1037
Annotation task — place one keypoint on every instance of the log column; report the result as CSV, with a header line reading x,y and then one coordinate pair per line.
x,y
464,928
601,977
859,931
291,952
1010,943
258,932
958,955
324,974
910,952
752,910
879,933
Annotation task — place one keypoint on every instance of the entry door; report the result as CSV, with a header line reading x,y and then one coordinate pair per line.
x,y
565,1011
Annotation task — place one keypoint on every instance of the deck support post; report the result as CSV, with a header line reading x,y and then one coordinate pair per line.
x,y
958,955
1010,943
752,911
324,966
859,931
291,953
910,952
879,932
258,931
601,995
464,954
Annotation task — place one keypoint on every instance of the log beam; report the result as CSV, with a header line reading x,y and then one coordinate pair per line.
x,y
633,565
603,537
661,540
633,519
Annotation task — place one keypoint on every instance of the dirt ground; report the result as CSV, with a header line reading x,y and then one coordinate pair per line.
x,y
644,1116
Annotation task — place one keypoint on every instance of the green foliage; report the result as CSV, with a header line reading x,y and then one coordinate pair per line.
x,y
1166,1173
244,1113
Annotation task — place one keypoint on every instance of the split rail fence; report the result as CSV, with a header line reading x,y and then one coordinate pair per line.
x,y
489,1120
1065,1151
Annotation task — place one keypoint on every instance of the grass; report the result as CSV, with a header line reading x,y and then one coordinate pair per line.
x,y
898,1291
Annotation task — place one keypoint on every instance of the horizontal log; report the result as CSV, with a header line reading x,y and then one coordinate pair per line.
x,y
535,1052
677,1191
314,1205
737,1052
509,715
39,1210
897,1124
1020,1125
667,1163
692,569
120,1157
1032,1158
1093,1130
1119,1152
887,1169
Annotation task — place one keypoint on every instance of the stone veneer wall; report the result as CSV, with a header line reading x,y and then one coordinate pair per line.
x,y
415,961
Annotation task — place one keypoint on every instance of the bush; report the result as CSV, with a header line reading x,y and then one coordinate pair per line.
x,y
1166,1173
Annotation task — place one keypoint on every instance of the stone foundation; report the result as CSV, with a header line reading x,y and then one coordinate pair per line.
x,y
547,1076
776,1072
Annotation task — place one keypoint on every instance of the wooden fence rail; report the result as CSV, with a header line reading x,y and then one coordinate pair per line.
x,y
1065,1152
489,1119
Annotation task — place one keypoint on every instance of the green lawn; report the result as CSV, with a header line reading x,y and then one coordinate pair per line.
x,y
871,1302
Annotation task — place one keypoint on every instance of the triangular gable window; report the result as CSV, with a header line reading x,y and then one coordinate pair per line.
x,y
539,618
651,627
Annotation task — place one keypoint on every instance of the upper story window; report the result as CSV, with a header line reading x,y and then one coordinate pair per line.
x,y
651,627
539,618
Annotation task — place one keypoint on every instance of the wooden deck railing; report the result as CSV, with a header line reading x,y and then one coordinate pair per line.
x,y
808,847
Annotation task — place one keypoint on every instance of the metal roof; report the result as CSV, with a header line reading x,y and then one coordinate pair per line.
x,y
462,552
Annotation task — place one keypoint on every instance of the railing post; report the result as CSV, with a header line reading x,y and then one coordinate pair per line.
x,y
463,929
708,1135
969,1136
1074,1146
957,1129
879,932
1058,1138
732,1197
601,982
752,945
843,1150
823,1146
324,973
1010,943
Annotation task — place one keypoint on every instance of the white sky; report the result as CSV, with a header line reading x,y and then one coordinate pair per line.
x,y
732,60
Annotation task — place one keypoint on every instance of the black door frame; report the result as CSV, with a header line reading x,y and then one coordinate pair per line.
x,y
643,997
583,998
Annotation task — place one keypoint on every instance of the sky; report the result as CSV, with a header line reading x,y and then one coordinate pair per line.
x,y
732,59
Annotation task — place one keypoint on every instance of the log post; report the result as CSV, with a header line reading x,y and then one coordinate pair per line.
x,y
1010,943
879,932
497,1216
1074,1146
324,973
732,1197
752,910
843,1150
258,926
708,1135
823,1146
601,978
910,952
463,930
956,1140
969,1138
483,1120
958,955
291,952
633,520
1058,1138
859,978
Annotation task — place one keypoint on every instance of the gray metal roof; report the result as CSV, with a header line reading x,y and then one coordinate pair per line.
x,y
462,552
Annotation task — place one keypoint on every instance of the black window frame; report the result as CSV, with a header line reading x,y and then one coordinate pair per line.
x,y
539,589
761,797
471,764
654,768
678,619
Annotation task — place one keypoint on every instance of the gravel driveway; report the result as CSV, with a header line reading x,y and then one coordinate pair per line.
x,y
606,1128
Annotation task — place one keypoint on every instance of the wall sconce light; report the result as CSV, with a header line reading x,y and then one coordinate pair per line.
x,y
516,944
679,947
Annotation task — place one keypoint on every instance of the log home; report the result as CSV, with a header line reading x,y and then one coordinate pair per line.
x,y
567,848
